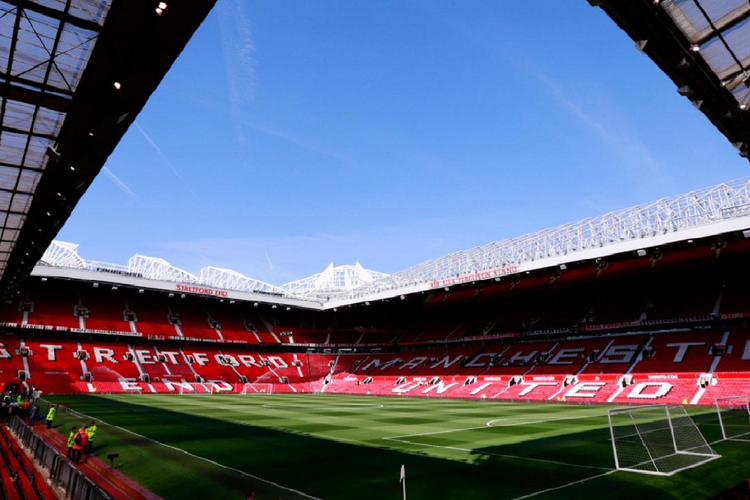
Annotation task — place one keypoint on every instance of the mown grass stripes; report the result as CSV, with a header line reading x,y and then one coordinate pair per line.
x,y
335,448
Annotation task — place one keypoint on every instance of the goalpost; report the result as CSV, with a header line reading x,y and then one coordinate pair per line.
x,y
657,439
734,417
257,388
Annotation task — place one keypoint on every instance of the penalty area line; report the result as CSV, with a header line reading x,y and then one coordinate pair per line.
x,y
243,473
501,455
541,492
519,421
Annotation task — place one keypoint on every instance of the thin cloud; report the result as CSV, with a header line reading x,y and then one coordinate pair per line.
x,y
617,135
166,160
624,143
238,50
118,182
270,264
303,143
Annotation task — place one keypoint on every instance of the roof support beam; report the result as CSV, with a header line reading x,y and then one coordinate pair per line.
x,y
56,14
725,27
36,97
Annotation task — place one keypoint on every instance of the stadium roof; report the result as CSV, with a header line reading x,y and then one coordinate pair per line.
x,y
73,76
698,214
704,47
333,280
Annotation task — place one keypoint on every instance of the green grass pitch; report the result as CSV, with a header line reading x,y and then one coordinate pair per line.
x,y
352,448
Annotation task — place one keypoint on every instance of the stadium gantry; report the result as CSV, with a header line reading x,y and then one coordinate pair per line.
x,y
698,214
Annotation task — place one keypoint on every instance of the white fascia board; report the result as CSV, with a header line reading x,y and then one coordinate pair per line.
x,y
168,286
590,254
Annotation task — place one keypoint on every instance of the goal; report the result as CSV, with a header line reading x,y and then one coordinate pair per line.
x,y
257,389
734,417
657,439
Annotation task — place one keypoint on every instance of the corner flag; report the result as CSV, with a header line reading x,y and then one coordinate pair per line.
x,y
402,479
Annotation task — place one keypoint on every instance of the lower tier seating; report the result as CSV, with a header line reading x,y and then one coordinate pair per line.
x,y
673,367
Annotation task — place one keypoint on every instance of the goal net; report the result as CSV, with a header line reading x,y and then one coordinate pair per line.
x,y
257,389
657,439
734,417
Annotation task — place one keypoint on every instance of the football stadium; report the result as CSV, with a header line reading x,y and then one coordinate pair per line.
x,y
607,357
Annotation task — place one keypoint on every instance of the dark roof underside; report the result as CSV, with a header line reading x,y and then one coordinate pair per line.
x,y
704,47
61,115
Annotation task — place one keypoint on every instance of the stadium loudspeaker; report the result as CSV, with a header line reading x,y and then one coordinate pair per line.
x,y
52,153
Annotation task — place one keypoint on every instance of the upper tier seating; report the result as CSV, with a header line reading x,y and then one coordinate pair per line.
x,y
152,314
106,308
54,304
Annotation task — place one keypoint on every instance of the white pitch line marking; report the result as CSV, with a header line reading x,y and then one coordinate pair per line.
x,y
400,439
243,473
478,452
489,424
564,485
339,406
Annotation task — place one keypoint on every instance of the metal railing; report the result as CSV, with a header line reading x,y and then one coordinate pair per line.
x,y
63,473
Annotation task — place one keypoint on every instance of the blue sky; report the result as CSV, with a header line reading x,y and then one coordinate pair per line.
x,y
291,134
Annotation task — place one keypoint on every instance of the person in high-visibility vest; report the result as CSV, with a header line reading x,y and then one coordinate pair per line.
x,y
71,440
80,441
19,400
91,431
51,416
78,444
